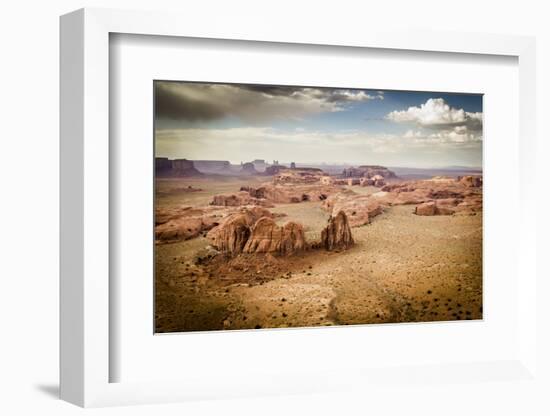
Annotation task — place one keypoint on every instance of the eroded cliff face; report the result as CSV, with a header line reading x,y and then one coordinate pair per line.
x,y
253,233
165,167
233,232
247,232
337,234
268,237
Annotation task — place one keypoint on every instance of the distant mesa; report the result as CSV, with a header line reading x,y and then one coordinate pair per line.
x,y
165,167
249,168
274,170
259,165
213,166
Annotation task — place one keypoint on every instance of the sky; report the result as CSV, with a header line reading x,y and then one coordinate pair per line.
x,y
242,122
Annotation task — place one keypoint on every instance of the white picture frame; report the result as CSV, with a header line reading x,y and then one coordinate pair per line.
x,y
85,213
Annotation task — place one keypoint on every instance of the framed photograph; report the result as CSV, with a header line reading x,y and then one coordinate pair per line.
x,y
246,215
321,233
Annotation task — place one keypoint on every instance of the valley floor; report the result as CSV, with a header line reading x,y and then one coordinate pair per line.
x,y
403,268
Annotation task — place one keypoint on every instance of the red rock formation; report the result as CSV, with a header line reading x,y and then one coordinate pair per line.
x,y
448,195
359,209
285,194
298,176
366,182
337,234
239,199
177,224
446,206
268,237
427,208
378,180
471,181
233,235
438,207
233,231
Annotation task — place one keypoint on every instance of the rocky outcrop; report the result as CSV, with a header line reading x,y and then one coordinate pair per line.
x,y
326,180
438,207
268,237
366,182
255,231
239,199
378,180
437,196
232,234
449,195
178,224
359,209
471,181
447,206
337,234
298,176
285,194
427,208
368,171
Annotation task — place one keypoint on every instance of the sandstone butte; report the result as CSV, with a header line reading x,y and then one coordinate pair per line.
x,y
232,234
238,235
337,234
268,237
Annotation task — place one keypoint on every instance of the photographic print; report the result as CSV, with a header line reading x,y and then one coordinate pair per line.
x,y
301,206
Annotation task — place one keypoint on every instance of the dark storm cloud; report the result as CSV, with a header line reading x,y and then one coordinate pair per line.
x,y
251,103
273,90
173,103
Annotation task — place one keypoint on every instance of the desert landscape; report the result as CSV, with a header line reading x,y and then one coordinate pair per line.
x,y
295,247
369,210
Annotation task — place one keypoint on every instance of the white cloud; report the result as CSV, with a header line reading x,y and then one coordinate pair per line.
x,y
436,113
411,134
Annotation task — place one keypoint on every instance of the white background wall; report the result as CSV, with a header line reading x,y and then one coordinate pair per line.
x,y
29,80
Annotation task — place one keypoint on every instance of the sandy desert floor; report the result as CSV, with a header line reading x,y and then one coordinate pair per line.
x,y
403,268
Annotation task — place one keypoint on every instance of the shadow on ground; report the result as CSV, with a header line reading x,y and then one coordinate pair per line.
x,y
51,390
